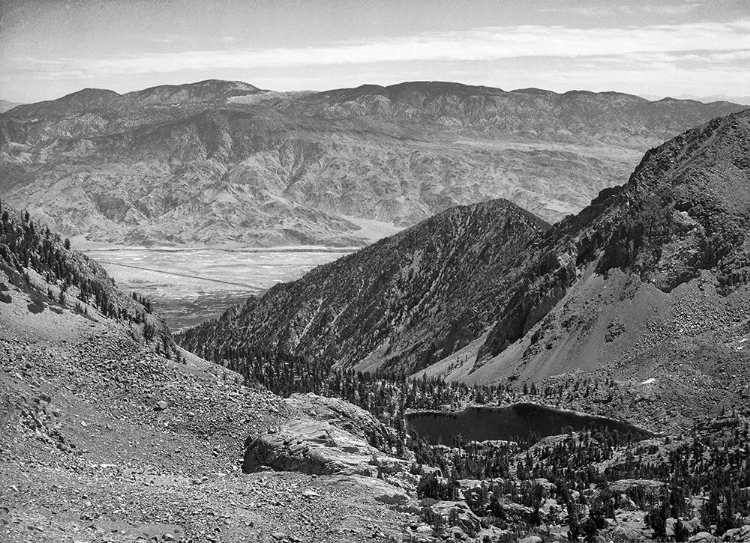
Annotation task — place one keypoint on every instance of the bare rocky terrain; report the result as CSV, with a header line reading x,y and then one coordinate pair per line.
x,y
90,452
227,163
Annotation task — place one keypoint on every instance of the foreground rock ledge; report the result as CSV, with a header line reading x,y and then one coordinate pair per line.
x,y
317,447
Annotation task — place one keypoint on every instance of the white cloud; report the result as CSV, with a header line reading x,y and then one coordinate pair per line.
x,y
650,46
614,10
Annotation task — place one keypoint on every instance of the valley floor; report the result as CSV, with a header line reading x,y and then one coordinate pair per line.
x,y
189,285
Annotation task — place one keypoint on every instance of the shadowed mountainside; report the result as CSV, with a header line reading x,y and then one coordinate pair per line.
x,y
224,162
425,291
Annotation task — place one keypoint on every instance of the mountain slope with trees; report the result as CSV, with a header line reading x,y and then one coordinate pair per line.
x,y
44,266
425,291
649,281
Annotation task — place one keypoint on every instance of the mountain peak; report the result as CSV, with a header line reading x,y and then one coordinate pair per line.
x,y
686,207
210,90
409,299
489,285
684,212
79,102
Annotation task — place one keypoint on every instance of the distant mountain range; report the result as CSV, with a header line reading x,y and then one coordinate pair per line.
x,y
222,162
5,105
649,280
744,100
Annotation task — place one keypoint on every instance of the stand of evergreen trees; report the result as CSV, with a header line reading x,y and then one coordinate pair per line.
x,y
713,463
25,246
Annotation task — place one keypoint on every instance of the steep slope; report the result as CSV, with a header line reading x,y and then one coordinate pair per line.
x,y
649,281
683,214
105,435
44,268
647,285
224,162
409,300
648,278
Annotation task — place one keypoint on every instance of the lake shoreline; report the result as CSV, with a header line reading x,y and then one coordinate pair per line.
x,y
513,416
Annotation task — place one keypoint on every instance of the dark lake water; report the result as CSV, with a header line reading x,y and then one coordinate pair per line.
x,y
523,420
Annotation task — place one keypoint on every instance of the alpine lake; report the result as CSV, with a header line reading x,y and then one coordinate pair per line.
x,y
510,423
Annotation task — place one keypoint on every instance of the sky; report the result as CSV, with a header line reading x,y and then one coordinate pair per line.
x,y
49,48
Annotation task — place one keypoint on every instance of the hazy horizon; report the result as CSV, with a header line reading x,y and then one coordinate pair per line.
x,y
742,100
676,48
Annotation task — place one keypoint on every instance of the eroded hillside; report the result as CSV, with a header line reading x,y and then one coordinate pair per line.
x,y
224,162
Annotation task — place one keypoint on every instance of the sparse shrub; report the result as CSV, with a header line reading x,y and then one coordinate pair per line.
x,y
37,304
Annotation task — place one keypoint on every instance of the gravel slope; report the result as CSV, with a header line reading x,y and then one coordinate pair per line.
x,y
87,452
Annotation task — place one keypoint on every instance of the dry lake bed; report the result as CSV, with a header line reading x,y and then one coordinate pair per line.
x,y
189,286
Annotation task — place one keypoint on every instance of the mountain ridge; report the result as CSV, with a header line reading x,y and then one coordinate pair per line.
x,y
621,288
272,168
424,271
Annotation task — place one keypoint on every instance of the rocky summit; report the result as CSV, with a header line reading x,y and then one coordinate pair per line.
x,y
221,162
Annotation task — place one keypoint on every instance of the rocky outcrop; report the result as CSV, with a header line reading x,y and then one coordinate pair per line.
x,y
738,534
345,416
623,486
317,447
455,513
326,436
703,537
